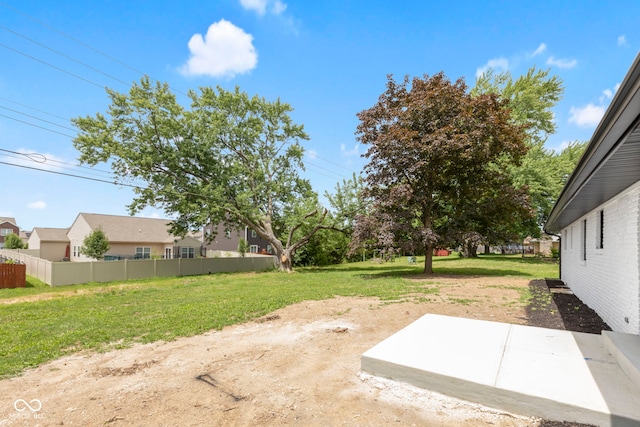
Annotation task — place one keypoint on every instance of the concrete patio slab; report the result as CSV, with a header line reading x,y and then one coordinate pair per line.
x,y
552,374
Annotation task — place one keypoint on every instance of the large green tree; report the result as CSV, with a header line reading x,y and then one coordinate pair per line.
x,y
530,99
434,151
229,158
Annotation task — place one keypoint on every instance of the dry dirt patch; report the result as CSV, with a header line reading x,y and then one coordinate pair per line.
x,y
297,366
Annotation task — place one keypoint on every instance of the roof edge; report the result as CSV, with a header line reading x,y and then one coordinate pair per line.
x,y
601,144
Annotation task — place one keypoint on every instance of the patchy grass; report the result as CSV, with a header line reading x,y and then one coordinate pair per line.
x,y
42,323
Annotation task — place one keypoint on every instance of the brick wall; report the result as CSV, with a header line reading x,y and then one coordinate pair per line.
x,y
608,280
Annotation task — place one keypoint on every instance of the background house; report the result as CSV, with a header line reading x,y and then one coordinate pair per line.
x,y
7,226
131,237
51,244
598,214
227,239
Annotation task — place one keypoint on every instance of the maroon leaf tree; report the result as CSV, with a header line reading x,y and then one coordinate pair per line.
x,y
436,156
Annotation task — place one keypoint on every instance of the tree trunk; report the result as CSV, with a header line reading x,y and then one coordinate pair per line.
x,y
428,259
284,260
487,249
470,250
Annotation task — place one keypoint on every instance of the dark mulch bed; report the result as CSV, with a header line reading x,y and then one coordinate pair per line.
x,y
554,306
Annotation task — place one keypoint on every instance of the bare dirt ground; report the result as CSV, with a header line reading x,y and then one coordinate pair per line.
x,y
297,366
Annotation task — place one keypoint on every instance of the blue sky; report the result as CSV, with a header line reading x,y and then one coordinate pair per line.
x,y
328,59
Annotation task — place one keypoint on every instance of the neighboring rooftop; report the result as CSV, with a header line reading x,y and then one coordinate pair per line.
x,y
8,219
51,234
130,228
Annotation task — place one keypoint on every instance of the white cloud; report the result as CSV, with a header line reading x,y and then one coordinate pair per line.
x,y
37,205
498,64
622,40
587,116
276,7
225,51
258,6
154,215
607,94
311,154
539,50
355,151
561,62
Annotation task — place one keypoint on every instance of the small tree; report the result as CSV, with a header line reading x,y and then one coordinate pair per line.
x,y
243,247
95,245
13,241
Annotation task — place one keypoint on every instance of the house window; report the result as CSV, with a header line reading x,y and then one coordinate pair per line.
x,y
5,231
143,252
227,233
571,238
269,249
76,251
187,252
253,249
583,240
600,230
167,253
253,233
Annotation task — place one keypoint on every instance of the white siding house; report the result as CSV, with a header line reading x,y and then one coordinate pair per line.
x,y
597,215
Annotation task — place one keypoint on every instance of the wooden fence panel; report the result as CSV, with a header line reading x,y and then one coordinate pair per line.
x,y
13,276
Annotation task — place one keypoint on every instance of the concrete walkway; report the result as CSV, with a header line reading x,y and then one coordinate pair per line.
x,y
547,373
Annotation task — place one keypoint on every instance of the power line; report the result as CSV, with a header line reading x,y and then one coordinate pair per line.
x,y
34,125
339,175
55,30
177,193
37,118
315,156
69,174
85,45
33,108
50,65
65,56
42,159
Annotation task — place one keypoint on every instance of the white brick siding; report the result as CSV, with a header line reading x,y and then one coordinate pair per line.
x,y
609,280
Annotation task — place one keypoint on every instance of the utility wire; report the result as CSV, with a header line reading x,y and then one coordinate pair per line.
x,y
332,163
182,193
42,159
65,56
55,30
33,108
37,118
325,169
85,45
37,126
69,174
51,65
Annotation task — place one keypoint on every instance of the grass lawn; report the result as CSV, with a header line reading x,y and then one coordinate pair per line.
x,y
46,323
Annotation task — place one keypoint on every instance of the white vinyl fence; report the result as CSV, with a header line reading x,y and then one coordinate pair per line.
x,y
70,273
